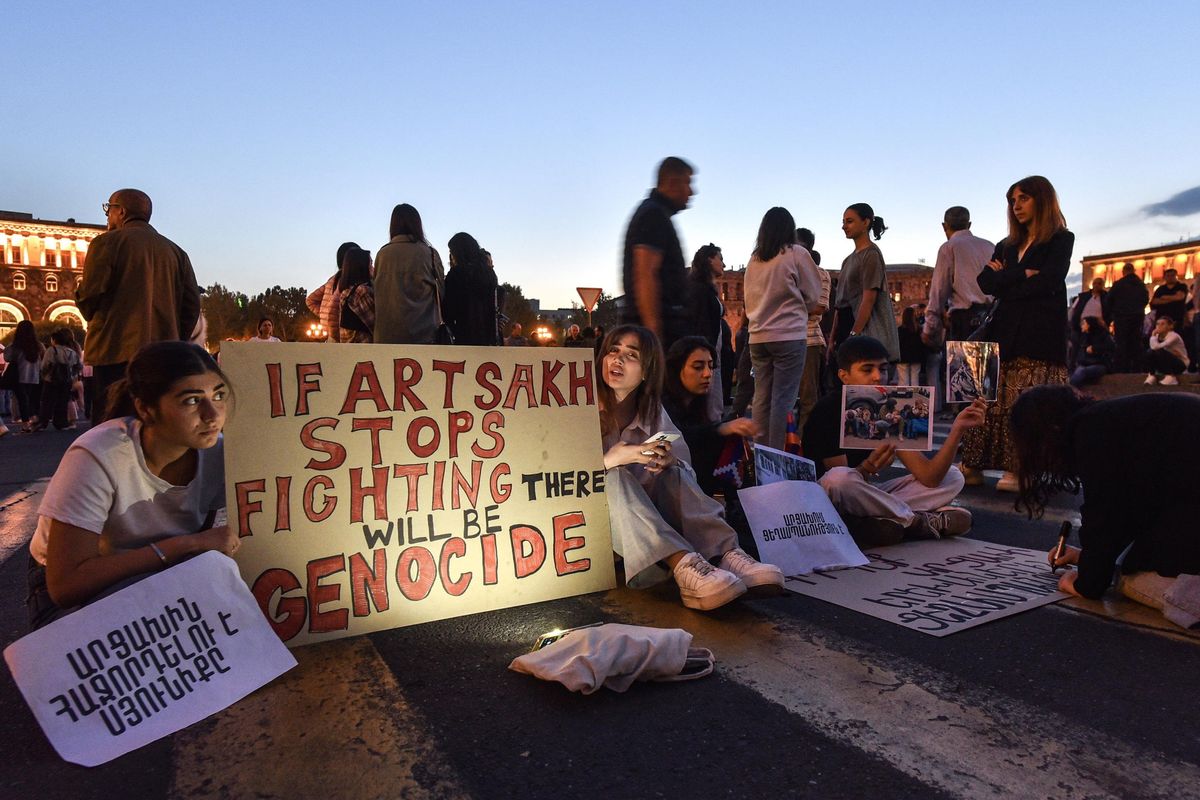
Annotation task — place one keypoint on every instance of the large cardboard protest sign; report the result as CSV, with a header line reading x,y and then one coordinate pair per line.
x,y
797,528
147,661
378,486
939,587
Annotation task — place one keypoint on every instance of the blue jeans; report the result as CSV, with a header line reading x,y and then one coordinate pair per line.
x,y
778,368
1087,374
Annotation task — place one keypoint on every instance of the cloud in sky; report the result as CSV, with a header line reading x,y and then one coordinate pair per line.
x,y
1183,204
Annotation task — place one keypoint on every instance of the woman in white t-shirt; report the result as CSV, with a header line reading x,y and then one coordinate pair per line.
x,y
139,492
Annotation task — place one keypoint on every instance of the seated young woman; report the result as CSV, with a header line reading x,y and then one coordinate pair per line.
x,y
1136,460
663,524
137,493
688,381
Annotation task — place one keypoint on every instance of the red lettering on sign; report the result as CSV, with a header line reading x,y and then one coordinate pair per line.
x,y
319,594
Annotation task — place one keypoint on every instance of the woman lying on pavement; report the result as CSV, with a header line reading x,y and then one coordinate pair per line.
x,y
1135,459
659,515
139,492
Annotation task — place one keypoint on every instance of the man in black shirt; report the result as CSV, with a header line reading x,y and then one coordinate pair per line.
x,y
1170,299
654,272
1126,307
913,506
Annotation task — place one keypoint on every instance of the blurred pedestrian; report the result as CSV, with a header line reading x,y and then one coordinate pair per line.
x,y
1092,303
1095,352
25,354
469,306
409,283
814,359
266,331
60,369
956,302
516,336
1167,356
1170,298
912,349
1027,275
653,272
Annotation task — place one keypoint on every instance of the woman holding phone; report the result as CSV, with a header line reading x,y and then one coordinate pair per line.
x,y
663,524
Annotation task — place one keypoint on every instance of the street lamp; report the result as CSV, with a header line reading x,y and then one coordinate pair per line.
x,y
316,331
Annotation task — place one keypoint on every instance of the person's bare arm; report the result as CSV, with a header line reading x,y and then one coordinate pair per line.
x,y
646,263
76,571
932,471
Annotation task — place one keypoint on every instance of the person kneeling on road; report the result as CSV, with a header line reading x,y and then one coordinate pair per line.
x,y
657,512
1139,503
913,506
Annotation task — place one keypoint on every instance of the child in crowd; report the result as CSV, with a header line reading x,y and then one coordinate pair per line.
x,y
138,492
913,506
1167,355
663,524
1139,522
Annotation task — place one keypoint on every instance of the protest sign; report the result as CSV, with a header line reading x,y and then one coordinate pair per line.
x,y
895,415
772,466
377,486
972,371
147,661
939,587
797,528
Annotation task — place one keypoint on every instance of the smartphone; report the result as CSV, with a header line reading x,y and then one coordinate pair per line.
x,y
661,436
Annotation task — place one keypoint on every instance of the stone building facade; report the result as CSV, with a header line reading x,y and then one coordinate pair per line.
x,y
41,264
1149,262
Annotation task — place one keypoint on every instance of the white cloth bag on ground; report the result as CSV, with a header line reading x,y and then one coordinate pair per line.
x,y
611,655
797,528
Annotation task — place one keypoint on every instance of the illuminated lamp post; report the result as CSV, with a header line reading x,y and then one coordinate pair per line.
x,y
316,331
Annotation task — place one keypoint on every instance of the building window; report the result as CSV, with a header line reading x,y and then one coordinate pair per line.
x,y
52,259
18,281
51,283
15,258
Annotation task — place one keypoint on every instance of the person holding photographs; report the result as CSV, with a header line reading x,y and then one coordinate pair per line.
x,y
1027,275
1095,352
913,506
1067,442
137,493
781,287
863,305
663,524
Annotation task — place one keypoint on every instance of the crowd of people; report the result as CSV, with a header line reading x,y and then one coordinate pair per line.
x,y
673,515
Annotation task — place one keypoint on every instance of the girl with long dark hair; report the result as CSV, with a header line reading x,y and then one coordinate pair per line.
x,y
25,353
1027,276
356,298
781,286
708,264
469,306
1138,494
409,282
138,492
663,524
863,305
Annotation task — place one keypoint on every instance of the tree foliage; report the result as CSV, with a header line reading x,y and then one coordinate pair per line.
x,y
234,315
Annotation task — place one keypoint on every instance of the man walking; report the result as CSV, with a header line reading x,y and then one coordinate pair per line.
x,y
654,272
1126,307
138,287
954,294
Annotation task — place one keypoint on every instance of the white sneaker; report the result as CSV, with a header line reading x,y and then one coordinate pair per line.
x,y
702,586
1151,380
753,573
1169,380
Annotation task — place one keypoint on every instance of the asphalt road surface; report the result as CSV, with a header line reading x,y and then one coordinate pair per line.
x,y
1072,700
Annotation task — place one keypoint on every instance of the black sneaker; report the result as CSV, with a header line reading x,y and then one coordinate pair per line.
x,y
873,531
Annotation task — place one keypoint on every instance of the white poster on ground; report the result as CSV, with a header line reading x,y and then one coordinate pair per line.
x,y
797,528
147,661
939,587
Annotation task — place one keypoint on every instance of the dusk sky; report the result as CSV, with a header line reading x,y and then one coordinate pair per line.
x,y
269,133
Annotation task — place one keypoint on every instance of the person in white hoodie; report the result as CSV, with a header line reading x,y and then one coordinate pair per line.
x,y
781,287
1167,355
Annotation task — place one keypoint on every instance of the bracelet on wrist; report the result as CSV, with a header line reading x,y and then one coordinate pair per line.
x,y
161,555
